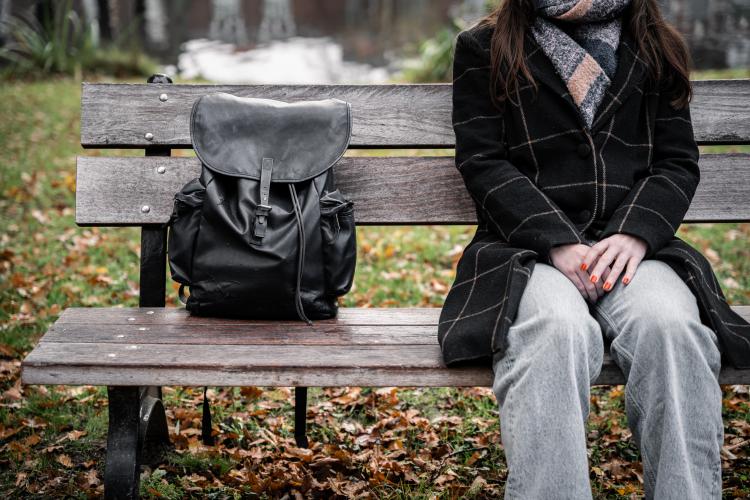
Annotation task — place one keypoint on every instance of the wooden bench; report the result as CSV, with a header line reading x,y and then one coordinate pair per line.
x,y
134,351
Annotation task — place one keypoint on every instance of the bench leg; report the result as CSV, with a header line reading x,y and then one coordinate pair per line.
x,y
153,430
300,416
137,434
121,471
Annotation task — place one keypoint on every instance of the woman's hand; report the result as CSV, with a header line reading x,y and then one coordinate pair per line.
x,y
567,259
618,251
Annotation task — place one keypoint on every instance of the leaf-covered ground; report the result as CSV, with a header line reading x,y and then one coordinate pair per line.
x,y
366,443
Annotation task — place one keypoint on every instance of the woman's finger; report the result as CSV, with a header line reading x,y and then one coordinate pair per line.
x,y
617,268
630,270
593,253
579,283
574,277
600,283
588,285
604,262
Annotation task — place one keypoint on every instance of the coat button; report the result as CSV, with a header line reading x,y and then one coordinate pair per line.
x,y
583,150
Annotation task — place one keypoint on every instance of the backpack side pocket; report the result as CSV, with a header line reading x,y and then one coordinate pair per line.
x,y
339,242
183,230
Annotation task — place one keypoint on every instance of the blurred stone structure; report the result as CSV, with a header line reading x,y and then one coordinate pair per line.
x,y
228,22
718,31
277,21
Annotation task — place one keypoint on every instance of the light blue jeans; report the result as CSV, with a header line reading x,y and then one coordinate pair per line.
x,y
672,397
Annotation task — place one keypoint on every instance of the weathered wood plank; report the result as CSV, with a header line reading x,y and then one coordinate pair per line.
x,y
120,115
385,190
76,364
179,316
239,334
410,115
92,354
197,377
177,326
137,364
236,357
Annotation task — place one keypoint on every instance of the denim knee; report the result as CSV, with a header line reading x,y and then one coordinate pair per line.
x,y
570,329
659,317
554,322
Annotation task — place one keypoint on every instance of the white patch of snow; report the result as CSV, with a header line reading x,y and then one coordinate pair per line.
x,y
294,60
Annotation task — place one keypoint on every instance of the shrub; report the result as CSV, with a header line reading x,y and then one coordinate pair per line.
x,y
63,44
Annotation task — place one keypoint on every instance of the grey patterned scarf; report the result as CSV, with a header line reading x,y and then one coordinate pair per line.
x,y
580,37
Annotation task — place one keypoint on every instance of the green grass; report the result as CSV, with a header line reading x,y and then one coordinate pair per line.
x,y
392,443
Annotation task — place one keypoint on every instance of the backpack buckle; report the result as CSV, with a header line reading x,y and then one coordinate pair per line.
x,y
263,208
261,214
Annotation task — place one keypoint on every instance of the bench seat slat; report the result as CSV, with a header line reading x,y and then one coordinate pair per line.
x,y
358,354
179,316
400,115
385,190
239,334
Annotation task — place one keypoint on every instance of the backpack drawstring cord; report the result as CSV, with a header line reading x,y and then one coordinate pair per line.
x,y
301,255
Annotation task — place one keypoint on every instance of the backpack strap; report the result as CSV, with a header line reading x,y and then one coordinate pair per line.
x,y
263,209
206,435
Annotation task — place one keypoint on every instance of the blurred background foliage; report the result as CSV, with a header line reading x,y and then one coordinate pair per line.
x,y
53,40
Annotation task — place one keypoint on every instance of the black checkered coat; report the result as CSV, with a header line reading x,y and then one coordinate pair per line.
x,y
539,179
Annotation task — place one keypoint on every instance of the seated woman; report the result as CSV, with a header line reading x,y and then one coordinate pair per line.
x,y
574,138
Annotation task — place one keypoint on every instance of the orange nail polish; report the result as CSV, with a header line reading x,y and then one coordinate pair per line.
x,y
607,285
626,280
594,278
584,266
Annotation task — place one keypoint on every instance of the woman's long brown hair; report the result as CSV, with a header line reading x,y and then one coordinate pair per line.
x,y
659,44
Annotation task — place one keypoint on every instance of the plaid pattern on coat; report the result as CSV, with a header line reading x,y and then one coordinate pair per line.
x,y
540,178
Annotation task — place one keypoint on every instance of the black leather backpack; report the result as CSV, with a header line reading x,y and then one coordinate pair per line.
x,y
263,233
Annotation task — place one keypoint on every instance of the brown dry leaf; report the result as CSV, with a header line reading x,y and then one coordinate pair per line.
x,y
9,431
64,459
10,367
438,286
305,455
476,486
72,436
21,478
13,394
7,351
92,478
251,392
32,440
712,255
446,477
280,394
474,457
350,396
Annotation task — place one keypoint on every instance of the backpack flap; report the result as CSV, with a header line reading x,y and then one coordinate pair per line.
x,y
232,135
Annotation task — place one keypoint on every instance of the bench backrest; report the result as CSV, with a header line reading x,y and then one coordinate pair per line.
x,y
138,191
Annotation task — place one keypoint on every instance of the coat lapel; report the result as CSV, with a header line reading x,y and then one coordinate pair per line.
x,y
543,71
629,76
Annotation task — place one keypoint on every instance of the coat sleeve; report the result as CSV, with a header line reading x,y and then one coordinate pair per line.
x,y
510,202
656,205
